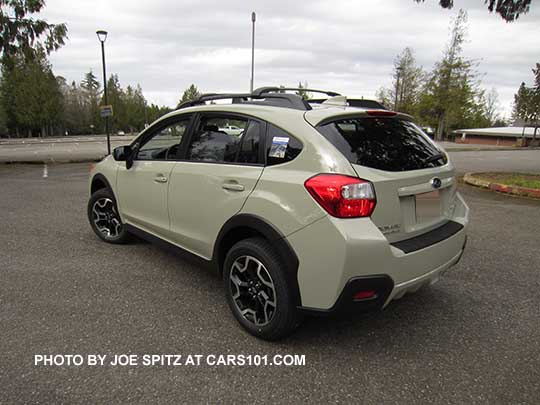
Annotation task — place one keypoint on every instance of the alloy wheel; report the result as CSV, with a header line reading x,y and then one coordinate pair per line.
x,y
252,290
106,218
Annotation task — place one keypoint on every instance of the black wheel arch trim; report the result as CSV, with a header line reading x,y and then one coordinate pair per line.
x,y
270,233
100,177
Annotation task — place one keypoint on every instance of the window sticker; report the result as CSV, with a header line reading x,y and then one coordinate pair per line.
x,y
279,147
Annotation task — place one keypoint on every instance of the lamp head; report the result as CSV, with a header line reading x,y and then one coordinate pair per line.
x,y
102,35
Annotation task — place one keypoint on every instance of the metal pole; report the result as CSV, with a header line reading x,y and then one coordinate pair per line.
x,y
397,90
253,18
105,95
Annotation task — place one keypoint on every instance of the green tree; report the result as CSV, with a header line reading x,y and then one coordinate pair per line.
x,y
135,105
27,80
3,116
22,34
73,111
90,82
31,96
407,83
509,10
91,88
527,102
116,98
153,112
191,93
451,95
302,90
521,102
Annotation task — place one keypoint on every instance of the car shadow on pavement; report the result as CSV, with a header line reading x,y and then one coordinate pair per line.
x,y
417,317
420,317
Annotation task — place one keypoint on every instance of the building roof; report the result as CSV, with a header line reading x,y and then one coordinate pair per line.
x,y
511,132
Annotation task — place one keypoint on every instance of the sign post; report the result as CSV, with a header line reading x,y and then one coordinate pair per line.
x,y
106,111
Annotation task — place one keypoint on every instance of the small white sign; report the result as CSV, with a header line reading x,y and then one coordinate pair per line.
x,y
279,147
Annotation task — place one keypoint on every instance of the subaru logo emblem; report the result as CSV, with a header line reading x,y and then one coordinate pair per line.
x,y
436,182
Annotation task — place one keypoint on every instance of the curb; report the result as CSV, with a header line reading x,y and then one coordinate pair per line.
x,y
49,161
501,188
498,149
46,141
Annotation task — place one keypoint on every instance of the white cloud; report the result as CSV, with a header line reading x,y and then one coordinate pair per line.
x,y
343,45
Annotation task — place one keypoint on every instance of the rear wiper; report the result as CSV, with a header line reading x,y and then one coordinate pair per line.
x,y
434,158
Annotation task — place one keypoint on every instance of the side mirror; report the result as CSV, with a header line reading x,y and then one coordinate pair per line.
x,y
131,155
121,153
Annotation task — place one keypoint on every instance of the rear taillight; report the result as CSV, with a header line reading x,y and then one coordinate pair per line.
x,y
342,196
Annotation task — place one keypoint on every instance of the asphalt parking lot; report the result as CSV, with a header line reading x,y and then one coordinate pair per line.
x,y
472,338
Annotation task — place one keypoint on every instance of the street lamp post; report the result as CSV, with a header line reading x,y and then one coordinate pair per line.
x,y
398,70
253,18
102,36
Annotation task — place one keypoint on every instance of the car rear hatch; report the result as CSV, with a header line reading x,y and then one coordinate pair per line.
x,y
413,180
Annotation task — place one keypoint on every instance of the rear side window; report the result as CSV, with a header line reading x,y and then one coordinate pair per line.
x,y
280,146
389,144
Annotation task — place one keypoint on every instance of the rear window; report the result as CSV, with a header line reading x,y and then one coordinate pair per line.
x,y
389,144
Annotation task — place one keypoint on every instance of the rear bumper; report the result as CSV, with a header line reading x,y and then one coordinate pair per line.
x,y
385,291
382,285
429,278
348,252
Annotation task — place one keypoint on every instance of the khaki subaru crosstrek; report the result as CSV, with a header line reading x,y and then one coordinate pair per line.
x,y
302,208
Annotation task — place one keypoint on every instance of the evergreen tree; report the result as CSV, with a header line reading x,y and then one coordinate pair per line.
x,y
135,105
407,84
451,94
90,82
509,10
116,98
527,102
191,93
302,92
31,96
91,88
154,112
22,34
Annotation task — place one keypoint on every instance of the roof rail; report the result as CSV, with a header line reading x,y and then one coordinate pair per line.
x,y
274,96
262,90
354,102
212,96
275,99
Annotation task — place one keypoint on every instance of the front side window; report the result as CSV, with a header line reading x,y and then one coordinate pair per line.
x,y
165,144
250,147
226,139
390,144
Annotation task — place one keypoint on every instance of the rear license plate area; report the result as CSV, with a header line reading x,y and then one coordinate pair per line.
x,y
428,206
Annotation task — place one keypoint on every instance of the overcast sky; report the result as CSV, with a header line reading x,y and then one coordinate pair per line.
x,y
347,46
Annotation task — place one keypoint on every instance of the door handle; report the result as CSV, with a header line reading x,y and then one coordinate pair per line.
x,y
233,186
160,179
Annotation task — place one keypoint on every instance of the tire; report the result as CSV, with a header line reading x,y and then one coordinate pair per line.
x,y
268,311
104,218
